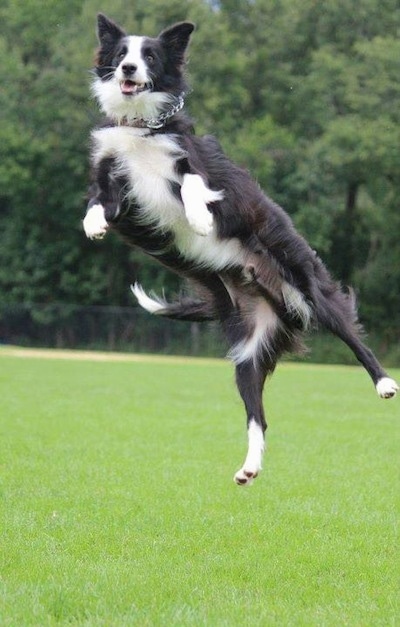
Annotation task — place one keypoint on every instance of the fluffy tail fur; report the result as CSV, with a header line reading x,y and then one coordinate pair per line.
x,y
189,309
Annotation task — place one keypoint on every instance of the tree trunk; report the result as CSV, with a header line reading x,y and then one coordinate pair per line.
x,y
343,237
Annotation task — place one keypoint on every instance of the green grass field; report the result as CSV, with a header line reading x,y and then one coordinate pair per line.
x,y
119,507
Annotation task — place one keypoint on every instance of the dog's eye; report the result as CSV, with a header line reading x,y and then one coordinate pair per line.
x,y
149,58
121,54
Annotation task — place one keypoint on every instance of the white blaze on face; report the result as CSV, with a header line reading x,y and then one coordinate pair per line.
x,y
134,57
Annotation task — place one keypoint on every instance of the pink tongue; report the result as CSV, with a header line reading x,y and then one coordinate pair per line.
x,y
128,87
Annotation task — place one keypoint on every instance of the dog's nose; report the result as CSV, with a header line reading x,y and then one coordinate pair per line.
x,y
129,69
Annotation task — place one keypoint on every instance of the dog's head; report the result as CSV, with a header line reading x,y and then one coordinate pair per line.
x,y
139,76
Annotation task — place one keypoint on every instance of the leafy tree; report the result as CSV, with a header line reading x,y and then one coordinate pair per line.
x,y
304,94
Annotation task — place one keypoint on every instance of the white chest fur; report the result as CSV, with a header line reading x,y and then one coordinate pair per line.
x,y
148,162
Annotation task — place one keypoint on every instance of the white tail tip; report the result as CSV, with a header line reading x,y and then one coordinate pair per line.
x,y
152,305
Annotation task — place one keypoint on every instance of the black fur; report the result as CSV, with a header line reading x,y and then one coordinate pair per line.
x,y
276,256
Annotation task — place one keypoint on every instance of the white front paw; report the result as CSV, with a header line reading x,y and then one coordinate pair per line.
x,y
199,218
195,197
95,224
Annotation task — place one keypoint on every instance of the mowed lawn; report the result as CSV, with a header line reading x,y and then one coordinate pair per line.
x,y
118,505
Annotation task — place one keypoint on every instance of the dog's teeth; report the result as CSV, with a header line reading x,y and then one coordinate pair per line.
x,y
129,87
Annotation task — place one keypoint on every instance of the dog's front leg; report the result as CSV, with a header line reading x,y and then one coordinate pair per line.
x,y
100,214
195,197
103,205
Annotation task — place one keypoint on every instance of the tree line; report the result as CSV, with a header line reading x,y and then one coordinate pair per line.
x,y
304,94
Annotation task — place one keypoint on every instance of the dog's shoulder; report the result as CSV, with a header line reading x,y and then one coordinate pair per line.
x,y
204,145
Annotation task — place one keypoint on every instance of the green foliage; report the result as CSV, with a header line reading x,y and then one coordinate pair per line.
x,y
304,94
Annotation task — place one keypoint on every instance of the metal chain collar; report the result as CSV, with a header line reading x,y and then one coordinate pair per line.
x,y
158,122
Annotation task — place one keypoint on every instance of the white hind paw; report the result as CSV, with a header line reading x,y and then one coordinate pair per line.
x,y
387,387
95,224
245,476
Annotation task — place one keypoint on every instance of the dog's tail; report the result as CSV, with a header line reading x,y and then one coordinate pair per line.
x,y
189,309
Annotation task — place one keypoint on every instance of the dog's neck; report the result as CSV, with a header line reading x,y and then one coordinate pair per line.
x,y
158,122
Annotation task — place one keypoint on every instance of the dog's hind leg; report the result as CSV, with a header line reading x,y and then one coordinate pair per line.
x,y
252,329
337,313
250,379
385,386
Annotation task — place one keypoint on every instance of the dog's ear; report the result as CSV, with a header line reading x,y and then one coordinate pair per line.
x,y
176,39
107,31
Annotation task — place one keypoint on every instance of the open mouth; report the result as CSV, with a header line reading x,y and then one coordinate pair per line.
x,y
130,88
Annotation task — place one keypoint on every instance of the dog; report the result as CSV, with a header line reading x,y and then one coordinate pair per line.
x,y
180,200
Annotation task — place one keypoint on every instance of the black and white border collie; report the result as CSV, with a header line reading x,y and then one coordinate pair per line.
x,y
178,198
